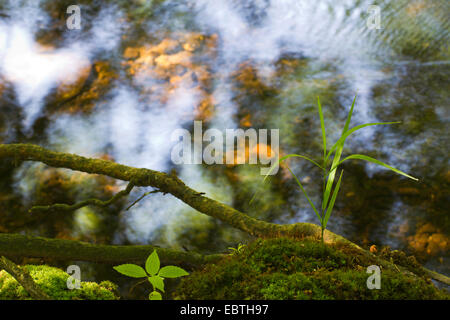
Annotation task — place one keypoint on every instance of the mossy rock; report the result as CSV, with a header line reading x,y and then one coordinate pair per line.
x,y
287,269
53,281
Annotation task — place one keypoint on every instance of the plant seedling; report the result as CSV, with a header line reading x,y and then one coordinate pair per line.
x,y
237,250
153,272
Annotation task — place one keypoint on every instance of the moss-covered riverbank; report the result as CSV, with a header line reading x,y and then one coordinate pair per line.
x,y
53,282
287,269
265,269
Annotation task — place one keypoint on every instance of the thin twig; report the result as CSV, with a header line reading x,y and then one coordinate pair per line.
x,y
92,202
142,197
136,284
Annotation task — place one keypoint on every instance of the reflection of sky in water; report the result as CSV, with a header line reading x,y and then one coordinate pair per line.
x,y
32,70
134,133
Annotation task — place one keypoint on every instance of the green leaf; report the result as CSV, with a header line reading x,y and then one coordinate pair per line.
x,y
352,130
282,159
172,272
304,192
339,146
300,156
157,282
333,199
349,116
290,156
322,126
131,270
152,264
369,159
155,295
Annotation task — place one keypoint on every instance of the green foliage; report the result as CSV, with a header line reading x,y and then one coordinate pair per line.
x,y
155,276
152,264
290,269
329,174
155,295
157,282
53,281
237,250
172,272
131,270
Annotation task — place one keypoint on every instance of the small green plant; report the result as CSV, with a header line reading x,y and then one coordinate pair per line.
x,y
153,272
329,174
236,250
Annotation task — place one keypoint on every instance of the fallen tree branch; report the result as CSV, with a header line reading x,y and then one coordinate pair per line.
x,y
93,202
166,183
437,276
170,183
38,247
23,278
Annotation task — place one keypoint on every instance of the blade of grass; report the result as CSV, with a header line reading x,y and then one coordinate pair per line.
x,y
290,156
349,116
333,199
304,192
369,159
298,156
339,146
324,140
322,126
344,136
279,162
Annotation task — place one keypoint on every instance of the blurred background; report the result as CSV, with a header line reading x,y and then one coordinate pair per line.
x,y
137,70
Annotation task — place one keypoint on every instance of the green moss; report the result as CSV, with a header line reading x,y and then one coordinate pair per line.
x,y
53,281
287,269
401,259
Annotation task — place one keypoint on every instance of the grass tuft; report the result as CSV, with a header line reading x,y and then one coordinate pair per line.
x,y
329,174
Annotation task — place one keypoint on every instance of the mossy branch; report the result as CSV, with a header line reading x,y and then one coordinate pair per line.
x,y
166,183
93,202
437,276
170,183
38,247
23,278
